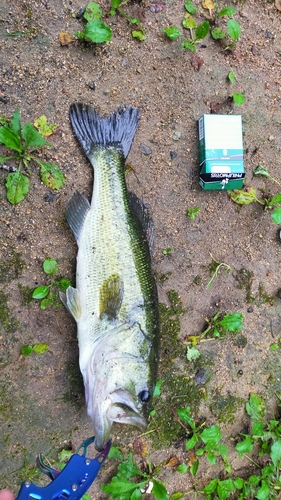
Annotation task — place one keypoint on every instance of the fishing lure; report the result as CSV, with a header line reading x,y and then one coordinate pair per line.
x,y
72,482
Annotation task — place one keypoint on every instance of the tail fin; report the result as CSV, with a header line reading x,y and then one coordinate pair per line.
x,y
90,128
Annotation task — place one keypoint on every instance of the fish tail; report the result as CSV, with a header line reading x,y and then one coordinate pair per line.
x,y
92,130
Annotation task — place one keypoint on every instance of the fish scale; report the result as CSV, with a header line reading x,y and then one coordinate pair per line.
x,y
115,299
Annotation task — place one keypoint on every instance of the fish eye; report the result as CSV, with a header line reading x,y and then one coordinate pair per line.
x,y
144,396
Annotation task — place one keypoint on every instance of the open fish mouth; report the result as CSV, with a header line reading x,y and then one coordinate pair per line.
x,y
121,409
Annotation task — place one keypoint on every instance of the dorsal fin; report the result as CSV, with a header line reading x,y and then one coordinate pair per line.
x,y
141,214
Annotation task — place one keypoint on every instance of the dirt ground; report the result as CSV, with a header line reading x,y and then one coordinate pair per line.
x,y
42,406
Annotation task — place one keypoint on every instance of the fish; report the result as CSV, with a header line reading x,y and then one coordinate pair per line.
x,y
115,301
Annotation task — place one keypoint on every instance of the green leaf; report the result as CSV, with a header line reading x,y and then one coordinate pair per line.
x,y
211,434
225,488
15,124
238,98
192,353
65,455
184,414
188,22
211,457
48,301
136,495
173,32
115,453
243,197
32,137
257,429
10,139
62,284
226,11
140,35
50,266
218,33
234,29
232,322
40,348
17,186
263,492
97,32
231,76
115,3
194,468
51,175
43,127
159,490
192,212
41,292
255,407
192,9
211,487
176,496
157,389
93,12
276,199
188,44
260,170
274,347
182,468
276,215
129,468
190,443
26,350
202,30
222,449
275,453
245,446
239,483
121,488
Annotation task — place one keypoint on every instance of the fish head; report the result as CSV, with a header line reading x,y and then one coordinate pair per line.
x,y
118,385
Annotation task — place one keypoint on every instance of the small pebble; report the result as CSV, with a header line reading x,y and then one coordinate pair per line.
x,y
177,136
279,293
200,376
145,149
250,309
92,85
173,154
80,13
268,34
49,197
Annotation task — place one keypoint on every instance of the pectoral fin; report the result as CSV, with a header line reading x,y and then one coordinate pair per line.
x,y
111,296
71,300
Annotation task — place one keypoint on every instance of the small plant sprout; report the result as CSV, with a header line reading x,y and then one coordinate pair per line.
x,y
217,327
233,30
95,30
36,348
24,141
247,195
215,267
131,482
263,171
45,293
192,212
167,251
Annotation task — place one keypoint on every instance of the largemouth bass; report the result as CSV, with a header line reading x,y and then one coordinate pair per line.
x,y
115,299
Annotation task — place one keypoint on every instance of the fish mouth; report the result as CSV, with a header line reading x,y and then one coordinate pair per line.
x,y
119,406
